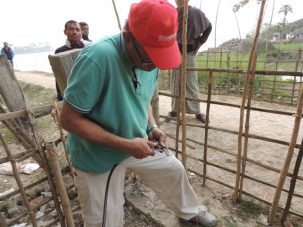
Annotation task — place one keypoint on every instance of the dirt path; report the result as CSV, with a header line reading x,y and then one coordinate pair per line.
x,y
46,80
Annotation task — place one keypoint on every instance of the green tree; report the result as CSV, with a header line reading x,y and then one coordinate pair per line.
x,y
285,9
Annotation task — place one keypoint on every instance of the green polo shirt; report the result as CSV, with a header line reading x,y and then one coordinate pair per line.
x,y
102,87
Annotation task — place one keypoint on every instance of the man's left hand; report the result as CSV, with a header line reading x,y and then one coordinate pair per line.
x,y
158,135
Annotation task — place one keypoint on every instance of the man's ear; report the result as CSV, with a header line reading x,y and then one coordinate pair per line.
x,y
126,36
64,32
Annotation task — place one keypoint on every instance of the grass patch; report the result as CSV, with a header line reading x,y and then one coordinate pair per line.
x,y
249,208
37,94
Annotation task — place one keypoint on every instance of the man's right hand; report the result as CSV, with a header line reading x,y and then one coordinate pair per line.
x,y
141,148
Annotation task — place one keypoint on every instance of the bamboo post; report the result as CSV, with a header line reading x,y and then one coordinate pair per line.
x,y
292,184
55,168
62,136
295,78
30,212
288,158
117,15
183,80
245,150
248,75
210,78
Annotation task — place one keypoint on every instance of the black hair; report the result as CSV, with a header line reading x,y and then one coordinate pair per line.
x,y
70,22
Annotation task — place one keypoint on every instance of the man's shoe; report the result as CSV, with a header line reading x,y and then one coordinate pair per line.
x,y
204,218
201,117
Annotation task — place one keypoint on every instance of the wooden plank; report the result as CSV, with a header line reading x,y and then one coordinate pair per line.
x,y
62,64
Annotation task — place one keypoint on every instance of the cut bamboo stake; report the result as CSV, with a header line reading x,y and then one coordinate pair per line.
x,y
55,167
248,74
183,80
209,89
117,15
245,150
30,212
292,184
287,161
63,138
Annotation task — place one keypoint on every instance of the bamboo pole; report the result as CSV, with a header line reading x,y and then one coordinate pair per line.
x,y
183,80
249,135
172,137
210,80
288,158
117,15
248,75
230,105
55,168
30,212
62,137
245,149
36,111
292,184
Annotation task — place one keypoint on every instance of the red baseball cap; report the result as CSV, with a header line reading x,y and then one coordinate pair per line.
x,y
154,24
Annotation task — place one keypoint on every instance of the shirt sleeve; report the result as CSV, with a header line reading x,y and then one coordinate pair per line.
x,y
84,85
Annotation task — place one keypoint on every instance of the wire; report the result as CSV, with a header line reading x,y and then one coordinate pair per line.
x,y
105,197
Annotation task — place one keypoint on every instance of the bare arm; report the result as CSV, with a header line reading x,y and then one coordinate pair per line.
x,y
76,123
155,134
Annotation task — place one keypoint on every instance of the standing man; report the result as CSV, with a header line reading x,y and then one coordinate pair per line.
x,y
198,30
107,111
8,53
74,40
85,31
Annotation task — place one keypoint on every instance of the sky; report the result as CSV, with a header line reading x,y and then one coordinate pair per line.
x,y
38,21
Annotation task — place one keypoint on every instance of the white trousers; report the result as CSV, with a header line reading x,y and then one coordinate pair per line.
x,y
164,174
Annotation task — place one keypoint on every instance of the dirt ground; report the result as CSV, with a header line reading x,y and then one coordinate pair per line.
x,y
215,196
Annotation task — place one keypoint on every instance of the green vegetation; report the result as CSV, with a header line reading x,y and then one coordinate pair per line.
x,y
266,87
289,46
250,208
37,94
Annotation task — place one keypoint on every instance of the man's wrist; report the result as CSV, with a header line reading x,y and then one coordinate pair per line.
x,y
150,127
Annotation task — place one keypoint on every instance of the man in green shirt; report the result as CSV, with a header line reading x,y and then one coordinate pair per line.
x,y
108,114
